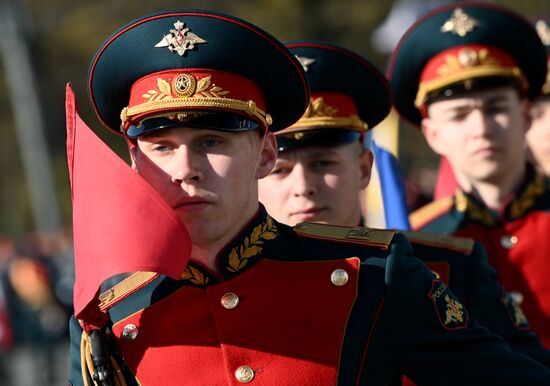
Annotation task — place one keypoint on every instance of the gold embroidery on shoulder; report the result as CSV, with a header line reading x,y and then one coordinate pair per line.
x,y
124,288
422,216
239,256
359,235
439,240
194,275
527,198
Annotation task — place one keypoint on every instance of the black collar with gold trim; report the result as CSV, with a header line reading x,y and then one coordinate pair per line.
x,y
533,194
239,255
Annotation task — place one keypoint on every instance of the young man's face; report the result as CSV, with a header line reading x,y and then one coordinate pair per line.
x,y
482,134
208,177
317,184
538,136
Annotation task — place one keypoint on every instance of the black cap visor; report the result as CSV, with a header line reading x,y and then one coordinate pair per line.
x,y
221,121
465,87
322,137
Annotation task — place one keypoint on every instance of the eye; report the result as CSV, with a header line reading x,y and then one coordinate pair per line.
x,y
280,170
459,117
322,163
209,142
161,148
497,109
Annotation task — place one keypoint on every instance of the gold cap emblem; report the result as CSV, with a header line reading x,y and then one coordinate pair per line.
x,y
180,40
185,85
468,57
460,23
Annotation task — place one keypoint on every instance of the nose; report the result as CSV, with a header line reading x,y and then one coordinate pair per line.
x,y
303,184
481,123
186,167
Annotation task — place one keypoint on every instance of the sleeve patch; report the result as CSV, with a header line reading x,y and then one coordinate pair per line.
x,y
450,312
514,311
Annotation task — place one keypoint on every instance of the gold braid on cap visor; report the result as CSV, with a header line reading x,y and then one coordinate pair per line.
x,y
249,107
322,114
351,122
479,72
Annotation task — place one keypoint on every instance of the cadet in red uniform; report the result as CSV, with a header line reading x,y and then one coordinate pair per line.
x,y
322,167
198,96
465,73
538,135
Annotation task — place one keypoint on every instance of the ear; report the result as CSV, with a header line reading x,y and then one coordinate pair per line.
x,y
431,133
365,167
268,155
133,156
132,150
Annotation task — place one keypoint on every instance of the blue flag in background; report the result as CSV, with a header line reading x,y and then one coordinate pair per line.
x,y
392,188
384,200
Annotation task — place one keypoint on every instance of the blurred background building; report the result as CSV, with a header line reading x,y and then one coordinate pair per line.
x,y
46,43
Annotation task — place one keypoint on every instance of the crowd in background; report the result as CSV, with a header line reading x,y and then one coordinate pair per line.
x,y
36,284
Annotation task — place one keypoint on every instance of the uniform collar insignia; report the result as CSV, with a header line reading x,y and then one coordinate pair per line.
x,y
305,62
527,197
543,31
239,255
180,39
516,206
252,245
195,275
460,23
475,210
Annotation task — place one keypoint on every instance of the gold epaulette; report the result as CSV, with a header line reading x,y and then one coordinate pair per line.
x,y
459,244
123,289
380,238
422,216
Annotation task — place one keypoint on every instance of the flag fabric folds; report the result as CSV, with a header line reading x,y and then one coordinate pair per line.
x,y
392,188
385,204
120,223
446,184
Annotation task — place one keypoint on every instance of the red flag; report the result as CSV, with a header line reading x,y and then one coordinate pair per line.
x,y
120,223
446,184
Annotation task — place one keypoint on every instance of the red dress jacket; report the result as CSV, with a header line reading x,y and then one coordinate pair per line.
x,y
517,240
310,305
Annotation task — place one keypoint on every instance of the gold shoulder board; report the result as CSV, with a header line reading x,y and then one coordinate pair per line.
x,y
422,216
125,288
459,244
380,238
